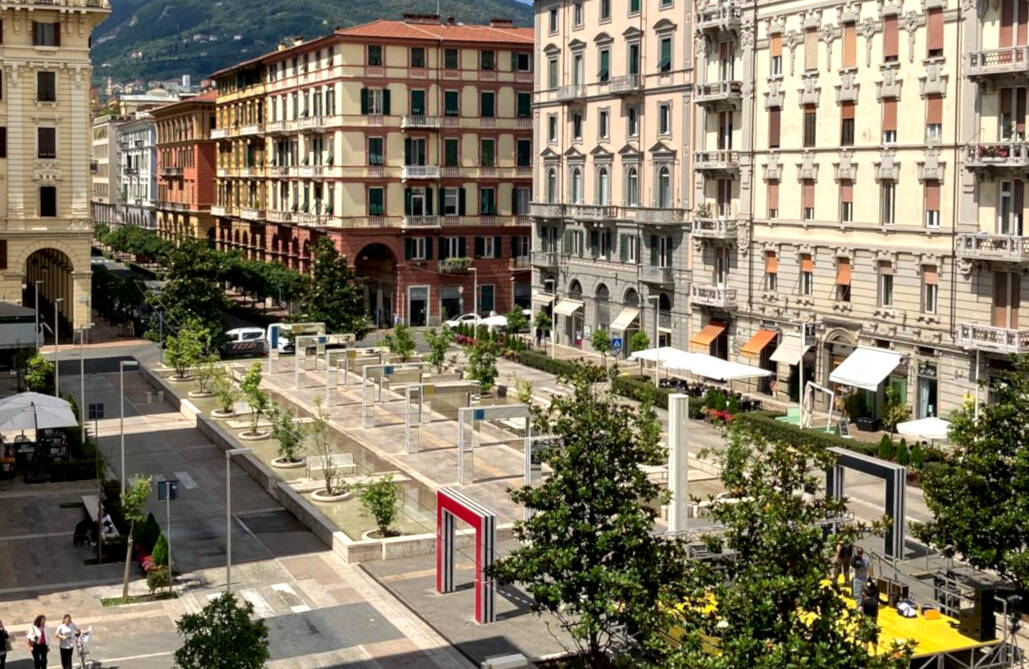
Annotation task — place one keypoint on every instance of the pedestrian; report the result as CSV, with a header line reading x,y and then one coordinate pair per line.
x,y
870,608
67,631
539,336
5,645
862,572
841,563
38,639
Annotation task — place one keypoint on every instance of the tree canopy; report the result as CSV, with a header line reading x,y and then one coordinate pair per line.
x,y
223,634
335,296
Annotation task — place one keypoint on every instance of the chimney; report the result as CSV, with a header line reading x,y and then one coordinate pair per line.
x,y
451,21
501,23
428,19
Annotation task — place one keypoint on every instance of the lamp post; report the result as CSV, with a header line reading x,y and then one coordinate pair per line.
x,y
82,376
57,351
131,364
38,283
228,514
167,490
475,289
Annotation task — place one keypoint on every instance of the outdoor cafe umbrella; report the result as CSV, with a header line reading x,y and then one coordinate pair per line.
x,y
27,398
932,428
36,417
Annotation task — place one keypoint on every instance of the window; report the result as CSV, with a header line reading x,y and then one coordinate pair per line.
x,y
891,50
771,271
808,199
552,129
417,103
46,86
930,288
843,278
486,299
520,206
634,59
524,105
486,247
807,275
889,121
885,284
932,204
774,127
634,6
553,20
810,49
577,125
375,202
629,249
487,61
577,14
665,58
451,103
416,248
486,104
633,122
450,61
414,151
934,34
1009,208
846,200
3,142
576,186
847,124
725,130
603,187
417,202
487,201
602,125
48,201
524,152
417,56
452,247
46,142
522,62
487,151
451,197
773,200
934,118
46,34
450,152
552,73
605,10
632,188
664,188
552,185
578,73
374,55
664,119
775,52
849,60
888,194
374,101
605,65
810,125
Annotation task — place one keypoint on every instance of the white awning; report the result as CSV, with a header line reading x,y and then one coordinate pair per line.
x,y
711,367
567,307
934,429
543,298
625,318
664,355
866,368
791,350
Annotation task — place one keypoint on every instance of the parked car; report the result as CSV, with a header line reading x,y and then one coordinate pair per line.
x,y
244,334
466,319
244,343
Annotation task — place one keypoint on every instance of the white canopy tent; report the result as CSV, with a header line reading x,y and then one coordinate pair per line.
x,y
663,355
711,367
932,428
494,322
866,368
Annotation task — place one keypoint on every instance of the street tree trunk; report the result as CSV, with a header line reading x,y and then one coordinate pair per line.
x,y
128,560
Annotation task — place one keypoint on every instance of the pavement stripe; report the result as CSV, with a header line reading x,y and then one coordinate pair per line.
x,y
187,481
71,585
24,537
136,657
261,607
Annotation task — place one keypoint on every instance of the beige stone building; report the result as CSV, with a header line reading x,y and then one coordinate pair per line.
x,y
45,226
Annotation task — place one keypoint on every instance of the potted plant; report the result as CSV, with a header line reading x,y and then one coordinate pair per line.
x,y
381,500
290,435
257,402
335,488
225,395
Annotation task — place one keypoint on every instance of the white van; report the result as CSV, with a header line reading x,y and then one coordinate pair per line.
x,y
244,334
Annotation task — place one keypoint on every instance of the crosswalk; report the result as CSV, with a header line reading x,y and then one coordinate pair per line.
x,y
270,601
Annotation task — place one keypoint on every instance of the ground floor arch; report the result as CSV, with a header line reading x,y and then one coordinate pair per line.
x,y
377,266
61,265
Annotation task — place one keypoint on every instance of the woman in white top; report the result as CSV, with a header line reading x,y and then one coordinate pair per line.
x,y
39,642
66,633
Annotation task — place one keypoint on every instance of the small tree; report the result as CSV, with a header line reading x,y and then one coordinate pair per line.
x,y
224,635
482,363
289,433
256,398
159,555
543,323
523,391
439,343
400,342
39,374
225,394
335,295
206,372
600,340
516,321
894,410
639,341
132,504
322,444
381,499
903,454
157,578
917,456
188,348
887,451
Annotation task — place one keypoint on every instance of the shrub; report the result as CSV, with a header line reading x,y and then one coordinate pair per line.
x,y
547,364
763,423
917,456
886,449
903,455
157,578
148,533
160,553
381,499
641,390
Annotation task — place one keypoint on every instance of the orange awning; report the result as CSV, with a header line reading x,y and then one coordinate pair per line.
x,y
758,342
708,334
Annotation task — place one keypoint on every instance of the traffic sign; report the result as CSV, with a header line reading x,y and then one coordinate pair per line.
x,y
96,411
616,343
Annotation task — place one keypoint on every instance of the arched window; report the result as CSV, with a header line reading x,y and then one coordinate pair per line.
x,y
664,187
632,188
603,187
551,185
577,186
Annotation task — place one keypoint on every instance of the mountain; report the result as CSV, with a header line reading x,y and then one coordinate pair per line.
x,y
164,39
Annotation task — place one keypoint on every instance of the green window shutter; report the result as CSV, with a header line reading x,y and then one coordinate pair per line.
x,y
407,150
524,105
524,151
462,248
444,248
442,200
486,104
566,244
653,250
364,101
498,252
623,248
514,61
428,202
666,55
514,204
450,149
385,102
461,207
605,57
417,103
634,6
594,243
407,201
514,247
451,104
408,248
428,248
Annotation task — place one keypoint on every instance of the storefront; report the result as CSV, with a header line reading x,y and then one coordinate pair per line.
x,y
926,404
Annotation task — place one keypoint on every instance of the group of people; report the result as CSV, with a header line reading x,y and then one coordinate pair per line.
x,y
864,589
39,639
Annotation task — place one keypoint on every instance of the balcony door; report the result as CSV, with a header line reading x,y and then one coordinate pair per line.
x,y
1009,208
1014,21
721,265
725,61
724,198
414,151
1007,295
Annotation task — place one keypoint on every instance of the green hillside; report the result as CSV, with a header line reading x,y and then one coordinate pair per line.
x,y
161,39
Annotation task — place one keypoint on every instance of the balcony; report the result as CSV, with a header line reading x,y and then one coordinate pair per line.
x,y
312,123
419,122
720,95
713,296
219,210
454,265
653,215
519,263
571,92
421,222
277,127
130,171
251,214
419,172
714,228
251,130
305,218
717,161
591,212
660,275
1013,60
991,339
312,171
278,171
1004,155
717,16
219,133
546,210
251,172
628,84
1003,248
171,171
279,216
545,259
222,172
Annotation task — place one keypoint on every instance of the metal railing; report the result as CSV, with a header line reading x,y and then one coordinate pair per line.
x,y
991,338
1007,248
997,154
714,228
997,61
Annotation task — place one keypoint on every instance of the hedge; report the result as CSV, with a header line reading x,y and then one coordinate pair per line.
x,y
764,423
545,363
639,389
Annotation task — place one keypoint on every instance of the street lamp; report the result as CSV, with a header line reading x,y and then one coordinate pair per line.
x,y
57,351
131,364
82,376
228,514
38,283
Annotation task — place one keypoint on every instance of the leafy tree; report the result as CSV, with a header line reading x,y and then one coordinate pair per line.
x,y
979,497
225,394
189,347
323,446
482,363
639,341
439,344
917,456
39,374
887,451
894,410
588,554
255,396
600,340
206,372
289,433
769,606
160,553
136,496
158,578
224,635
400,342
335,296
543,323
381,500
517,321
193,288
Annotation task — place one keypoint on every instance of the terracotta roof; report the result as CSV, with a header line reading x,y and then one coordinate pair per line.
x,y
206,96
436,31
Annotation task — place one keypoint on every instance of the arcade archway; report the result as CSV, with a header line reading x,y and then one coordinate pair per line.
x,y
376,264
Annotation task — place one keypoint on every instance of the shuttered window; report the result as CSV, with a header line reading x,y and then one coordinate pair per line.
x,y
843,274
934,109
809,193
934,37
846,200
774,127
811,50
807,264
891,48
930,276
775,46
46,140
773,199
771,263
849,45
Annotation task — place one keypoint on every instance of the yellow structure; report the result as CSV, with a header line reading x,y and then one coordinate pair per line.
x,y
45,226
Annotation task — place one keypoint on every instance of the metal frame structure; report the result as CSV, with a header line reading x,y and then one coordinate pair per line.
x,y
895,477
807,415
423,390
451,504
466,458
386,370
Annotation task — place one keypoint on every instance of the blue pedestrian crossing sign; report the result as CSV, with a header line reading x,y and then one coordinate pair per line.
x,y
616,343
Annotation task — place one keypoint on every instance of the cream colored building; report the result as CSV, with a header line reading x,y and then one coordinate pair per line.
x,y
45,159
105,194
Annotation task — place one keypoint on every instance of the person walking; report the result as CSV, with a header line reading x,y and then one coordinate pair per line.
x,y
67,631
38,639
862,572
870,608
5,645
841,563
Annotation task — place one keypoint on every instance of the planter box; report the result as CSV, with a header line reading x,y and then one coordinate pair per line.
x,y
867,424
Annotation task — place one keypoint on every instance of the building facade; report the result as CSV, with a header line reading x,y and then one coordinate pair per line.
x,y
45,223
185,167
137,145
106,170
612,114
409,143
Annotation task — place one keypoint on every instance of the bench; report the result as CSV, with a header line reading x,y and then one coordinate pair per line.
x,y
92,505
513,661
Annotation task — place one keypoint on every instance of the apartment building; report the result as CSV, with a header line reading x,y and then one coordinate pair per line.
x,y
409,143
185,167
613,118
45,223
137,144
105,169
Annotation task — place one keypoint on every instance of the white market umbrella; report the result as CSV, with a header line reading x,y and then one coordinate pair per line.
x,y
664,355
494,322
36,417
38,399
932,428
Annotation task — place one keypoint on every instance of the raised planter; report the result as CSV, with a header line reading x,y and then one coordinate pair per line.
x,y
282,463
375,535
218,413
179,379
255,436
199,394
320,496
